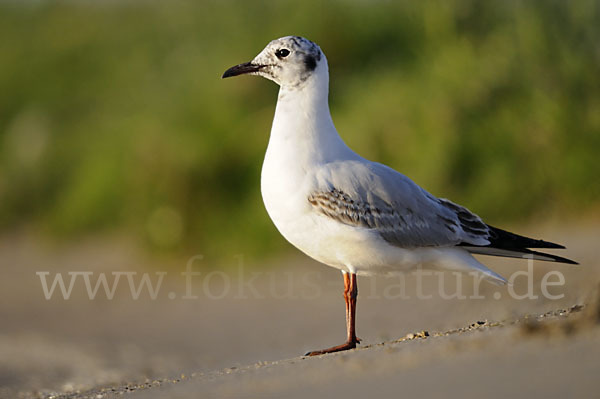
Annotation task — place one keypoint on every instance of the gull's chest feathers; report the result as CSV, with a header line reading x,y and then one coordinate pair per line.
x,y
302,140
285,177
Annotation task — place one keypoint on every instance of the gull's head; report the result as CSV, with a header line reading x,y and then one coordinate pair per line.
x,y
288,61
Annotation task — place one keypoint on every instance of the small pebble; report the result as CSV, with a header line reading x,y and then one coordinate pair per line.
x,y
67,387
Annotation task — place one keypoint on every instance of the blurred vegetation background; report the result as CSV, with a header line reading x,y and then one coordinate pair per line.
x,y
114,119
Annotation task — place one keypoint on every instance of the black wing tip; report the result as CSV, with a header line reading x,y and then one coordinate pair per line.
x,y
522,253
555,258
548,244
565,260
517,244
504,239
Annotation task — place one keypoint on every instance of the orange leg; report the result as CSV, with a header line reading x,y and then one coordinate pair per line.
x,y
350,296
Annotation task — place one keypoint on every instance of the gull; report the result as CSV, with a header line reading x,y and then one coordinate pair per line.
x,y
358,216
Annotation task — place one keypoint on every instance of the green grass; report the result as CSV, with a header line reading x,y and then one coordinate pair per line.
x,y
114,117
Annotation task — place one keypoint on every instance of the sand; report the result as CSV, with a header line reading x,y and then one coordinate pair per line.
x,y
249,342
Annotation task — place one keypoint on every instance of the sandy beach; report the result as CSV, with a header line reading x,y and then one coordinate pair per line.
x,y
242,333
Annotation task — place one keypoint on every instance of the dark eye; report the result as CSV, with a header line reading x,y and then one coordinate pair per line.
x,y
282,53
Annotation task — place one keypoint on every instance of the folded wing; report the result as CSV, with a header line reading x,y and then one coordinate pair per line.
x,y
374,196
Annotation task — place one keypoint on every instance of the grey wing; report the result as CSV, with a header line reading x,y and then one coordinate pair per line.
x,y
373,196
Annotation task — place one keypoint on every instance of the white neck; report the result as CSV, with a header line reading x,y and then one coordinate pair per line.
x,y
302,126
302,138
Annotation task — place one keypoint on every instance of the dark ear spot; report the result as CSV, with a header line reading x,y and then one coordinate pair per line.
x,y
310,62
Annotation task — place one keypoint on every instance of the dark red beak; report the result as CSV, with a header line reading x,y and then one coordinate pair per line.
x,y
242,69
